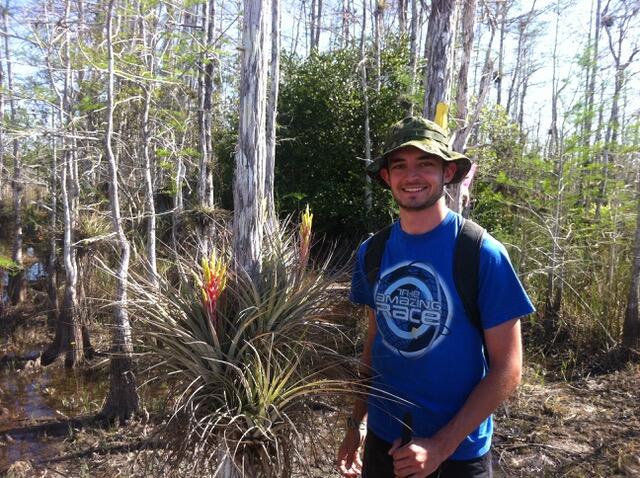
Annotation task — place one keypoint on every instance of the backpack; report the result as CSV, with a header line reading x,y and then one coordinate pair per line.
x,y
466,265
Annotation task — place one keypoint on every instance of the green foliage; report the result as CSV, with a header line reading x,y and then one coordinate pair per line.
x,y
320,156
546,210
8,264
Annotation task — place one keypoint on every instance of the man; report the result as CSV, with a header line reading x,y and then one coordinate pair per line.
x,y
424,354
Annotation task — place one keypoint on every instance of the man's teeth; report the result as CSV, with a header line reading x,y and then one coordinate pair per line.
x,y
413,190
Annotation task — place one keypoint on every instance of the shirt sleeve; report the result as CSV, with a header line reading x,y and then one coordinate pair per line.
x,y
360,291
502,296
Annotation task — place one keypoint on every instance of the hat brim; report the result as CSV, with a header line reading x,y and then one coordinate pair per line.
x,y
463,164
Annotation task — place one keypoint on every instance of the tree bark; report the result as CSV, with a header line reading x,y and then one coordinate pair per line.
x,y
462,97
504,9
272,112
439,48
368,198
402,17
205,119
146,155
52,262
17,281
377,38
122,400
248,190
413,55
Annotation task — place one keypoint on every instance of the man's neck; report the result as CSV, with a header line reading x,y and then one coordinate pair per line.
x,y
419,222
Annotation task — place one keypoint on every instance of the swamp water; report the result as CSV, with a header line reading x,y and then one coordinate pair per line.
x,y
35,407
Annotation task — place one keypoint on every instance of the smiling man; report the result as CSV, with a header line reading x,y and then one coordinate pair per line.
x,y
429,346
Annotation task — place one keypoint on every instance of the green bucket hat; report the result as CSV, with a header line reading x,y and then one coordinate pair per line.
x,y
422,134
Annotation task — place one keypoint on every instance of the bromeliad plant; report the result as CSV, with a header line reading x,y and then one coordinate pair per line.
x,y
247,357
214,280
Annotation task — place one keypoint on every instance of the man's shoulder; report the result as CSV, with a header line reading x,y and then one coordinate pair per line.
x,y
492,247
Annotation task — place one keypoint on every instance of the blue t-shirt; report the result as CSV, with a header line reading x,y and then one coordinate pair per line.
x,y
427,355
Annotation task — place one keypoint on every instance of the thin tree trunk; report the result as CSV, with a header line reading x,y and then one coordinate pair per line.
x,y
439,47
272,112
248,190
312,26
462,97
402,17
17,281
591,85
413,55
377,38
554,276
503,31
52,263
316,39
346,14
146,155
205,87
522,29
122,400
368,200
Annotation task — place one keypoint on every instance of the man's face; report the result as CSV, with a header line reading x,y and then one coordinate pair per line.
x,y
416,178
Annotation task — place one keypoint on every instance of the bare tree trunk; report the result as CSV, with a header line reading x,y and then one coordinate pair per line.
x,y
313,20
402,17
205,86
368,200
316,39
272,112
591,85
555,283
413,55
462,97
52,263
17,281
248,190
377,38
146,155
346,17
522,31
122,400
439,47
503,10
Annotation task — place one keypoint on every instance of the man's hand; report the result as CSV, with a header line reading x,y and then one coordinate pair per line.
x,y
349,462
417,459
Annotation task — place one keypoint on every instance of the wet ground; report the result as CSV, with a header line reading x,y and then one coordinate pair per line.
x,y
39,405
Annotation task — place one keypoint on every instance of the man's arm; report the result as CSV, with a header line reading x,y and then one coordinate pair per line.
x,y
422,456
348,460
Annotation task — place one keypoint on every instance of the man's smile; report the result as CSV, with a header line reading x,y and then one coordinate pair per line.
x,y
414,189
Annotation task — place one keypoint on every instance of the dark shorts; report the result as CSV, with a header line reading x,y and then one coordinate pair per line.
x,y
377,463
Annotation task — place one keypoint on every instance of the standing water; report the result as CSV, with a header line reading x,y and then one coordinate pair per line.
x,y
36,403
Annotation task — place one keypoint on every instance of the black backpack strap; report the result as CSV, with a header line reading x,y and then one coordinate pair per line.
x,y
466,269
373,254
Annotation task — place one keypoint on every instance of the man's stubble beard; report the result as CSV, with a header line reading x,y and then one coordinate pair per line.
x,y
431,200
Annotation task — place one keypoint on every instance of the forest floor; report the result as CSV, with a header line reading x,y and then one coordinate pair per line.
x,y
585,427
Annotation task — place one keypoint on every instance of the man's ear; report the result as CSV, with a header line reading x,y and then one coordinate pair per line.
x,y
384,174
450,169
